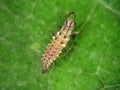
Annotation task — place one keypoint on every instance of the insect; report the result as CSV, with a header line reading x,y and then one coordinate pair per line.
x,y
59,42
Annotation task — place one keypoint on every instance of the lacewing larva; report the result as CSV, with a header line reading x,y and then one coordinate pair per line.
x,y
59,42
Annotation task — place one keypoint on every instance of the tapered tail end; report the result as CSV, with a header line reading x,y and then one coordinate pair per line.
x,y
43,71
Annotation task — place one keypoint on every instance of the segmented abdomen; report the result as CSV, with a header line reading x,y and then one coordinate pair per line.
x,y
54,49
57,44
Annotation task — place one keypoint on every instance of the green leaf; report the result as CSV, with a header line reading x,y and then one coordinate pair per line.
x,y
91,61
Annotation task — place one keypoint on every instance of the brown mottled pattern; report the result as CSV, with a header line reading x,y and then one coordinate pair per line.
x,y
58,43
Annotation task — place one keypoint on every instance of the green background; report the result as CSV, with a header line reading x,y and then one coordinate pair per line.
x,y
91,61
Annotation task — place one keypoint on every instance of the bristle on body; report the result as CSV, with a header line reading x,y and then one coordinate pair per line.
x,y
58,43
